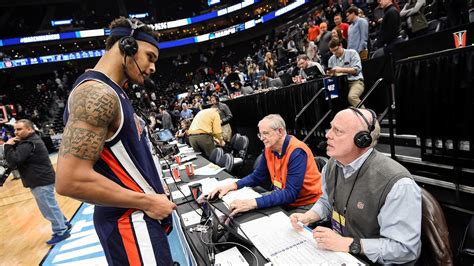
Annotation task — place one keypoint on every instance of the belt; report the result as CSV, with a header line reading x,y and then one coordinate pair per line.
x,y
197,134
356,80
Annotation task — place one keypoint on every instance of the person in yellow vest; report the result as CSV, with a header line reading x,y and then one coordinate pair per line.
x,y
290,166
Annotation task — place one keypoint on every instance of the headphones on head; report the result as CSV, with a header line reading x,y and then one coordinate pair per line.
x,y
128,44
363,139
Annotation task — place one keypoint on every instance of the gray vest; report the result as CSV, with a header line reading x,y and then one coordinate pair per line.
x,y
376,178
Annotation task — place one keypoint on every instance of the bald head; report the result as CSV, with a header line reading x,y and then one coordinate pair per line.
x,y
363,122
345,125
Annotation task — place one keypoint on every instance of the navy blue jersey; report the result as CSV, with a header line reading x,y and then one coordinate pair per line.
x,y
128,234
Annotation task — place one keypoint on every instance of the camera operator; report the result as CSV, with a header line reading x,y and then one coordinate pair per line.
x,y
29,155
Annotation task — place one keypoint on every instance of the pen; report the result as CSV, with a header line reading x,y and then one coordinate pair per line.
x,y
304,226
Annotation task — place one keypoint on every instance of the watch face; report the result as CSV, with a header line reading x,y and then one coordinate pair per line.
x,y
355,247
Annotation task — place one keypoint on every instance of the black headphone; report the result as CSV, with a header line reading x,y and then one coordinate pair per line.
x,y
128,44
363,139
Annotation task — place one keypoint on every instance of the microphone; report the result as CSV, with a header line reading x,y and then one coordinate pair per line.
x,y
148,83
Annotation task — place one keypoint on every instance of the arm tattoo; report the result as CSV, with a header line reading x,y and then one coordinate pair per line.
x,y
92,109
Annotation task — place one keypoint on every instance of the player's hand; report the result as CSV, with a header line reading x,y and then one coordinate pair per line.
x,y
159,206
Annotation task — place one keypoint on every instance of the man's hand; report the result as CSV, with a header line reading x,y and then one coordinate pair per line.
x,y
330,240
159,206
330,72
12,141
222,143
237,206
222,190
298,217
337,69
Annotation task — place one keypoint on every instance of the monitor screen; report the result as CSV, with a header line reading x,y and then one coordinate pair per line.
x,y
165,135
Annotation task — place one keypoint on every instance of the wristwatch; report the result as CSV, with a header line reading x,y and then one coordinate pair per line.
x,y
354,247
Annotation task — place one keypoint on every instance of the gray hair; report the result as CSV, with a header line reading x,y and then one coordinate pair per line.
x,y
27,123
276,121
375,134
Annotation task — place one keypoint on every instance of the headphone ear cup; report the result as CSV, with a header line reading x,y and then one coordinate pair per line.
x,y
363,139
128,45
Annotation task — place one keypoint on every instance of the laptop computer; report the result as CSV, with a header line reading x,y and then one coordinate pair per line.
x,y
316,71
165,135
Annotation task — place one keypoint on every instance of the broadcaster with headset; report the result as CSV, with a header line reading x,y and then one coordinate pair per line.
x,y
372,201
104,157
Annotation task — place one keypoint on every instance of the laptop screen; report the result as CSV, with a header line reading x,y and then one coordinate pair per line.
x,y
314,71
165,135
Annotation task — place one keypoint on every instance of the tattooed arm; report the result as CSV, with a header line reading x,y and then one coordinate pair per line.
x,y
93,116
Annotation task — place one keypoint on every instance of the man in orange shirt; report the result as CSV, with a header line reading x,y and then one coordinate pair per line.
x,y
290,166
313,31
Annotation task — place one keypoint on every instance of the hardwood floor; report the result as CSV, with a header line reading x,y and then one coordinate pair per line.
x,y
23,230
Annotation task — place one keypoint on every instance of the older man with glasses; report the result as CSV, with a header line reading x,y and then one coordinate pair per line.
x,y
288,163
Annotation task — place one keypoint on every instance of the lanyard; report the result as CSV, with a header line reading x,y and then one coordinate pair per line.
x,y
350,193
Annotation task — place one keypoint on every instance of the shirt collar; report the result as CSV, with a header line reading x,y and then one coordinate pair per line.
x,y
283,149
349,169
342,56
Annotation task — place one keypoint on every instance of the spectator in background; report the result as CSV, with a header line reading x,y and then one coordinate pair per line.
x,y
225,116
245,90
331,10
311,50
412,8
28,153
166,120
153,124
269,65
347,61
471,10
358,33
185,112
323,43
282,54
303,62
388,34
337,34
182,134
313,31
205,127
344,27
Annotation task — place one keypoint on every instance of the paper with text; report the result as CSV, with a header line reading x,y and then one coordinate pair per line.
x,y
241,194
230,257
210,169
276,239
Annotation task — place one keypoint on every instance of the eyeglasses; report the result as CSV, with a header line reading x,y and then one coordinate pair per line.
x,y
265,134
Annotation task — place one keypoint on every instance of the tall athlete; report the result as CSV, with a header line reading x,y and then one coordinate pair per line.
x,y
104,157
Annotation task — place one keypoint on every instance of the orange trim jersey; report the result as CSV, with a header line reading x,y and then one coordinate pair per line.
x,y
311,190
129,236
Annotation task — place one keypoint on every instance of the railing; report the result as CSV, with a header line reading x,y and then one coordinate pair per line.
x,y
320,120
388,111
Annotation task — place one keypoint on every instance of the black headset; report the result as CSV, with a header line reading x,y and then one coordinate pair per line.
x,y
363,139
128,44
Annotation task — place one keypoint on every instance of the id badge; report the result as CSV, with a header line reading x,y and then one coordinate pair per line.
x,y
338,222
277,184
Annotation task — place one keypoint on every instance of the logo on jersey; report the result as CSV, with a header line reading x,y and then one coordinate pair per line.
x,y
139,126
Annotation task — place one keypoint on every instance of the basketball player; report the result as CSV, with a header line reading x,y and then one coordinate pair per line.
x,y
104,158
